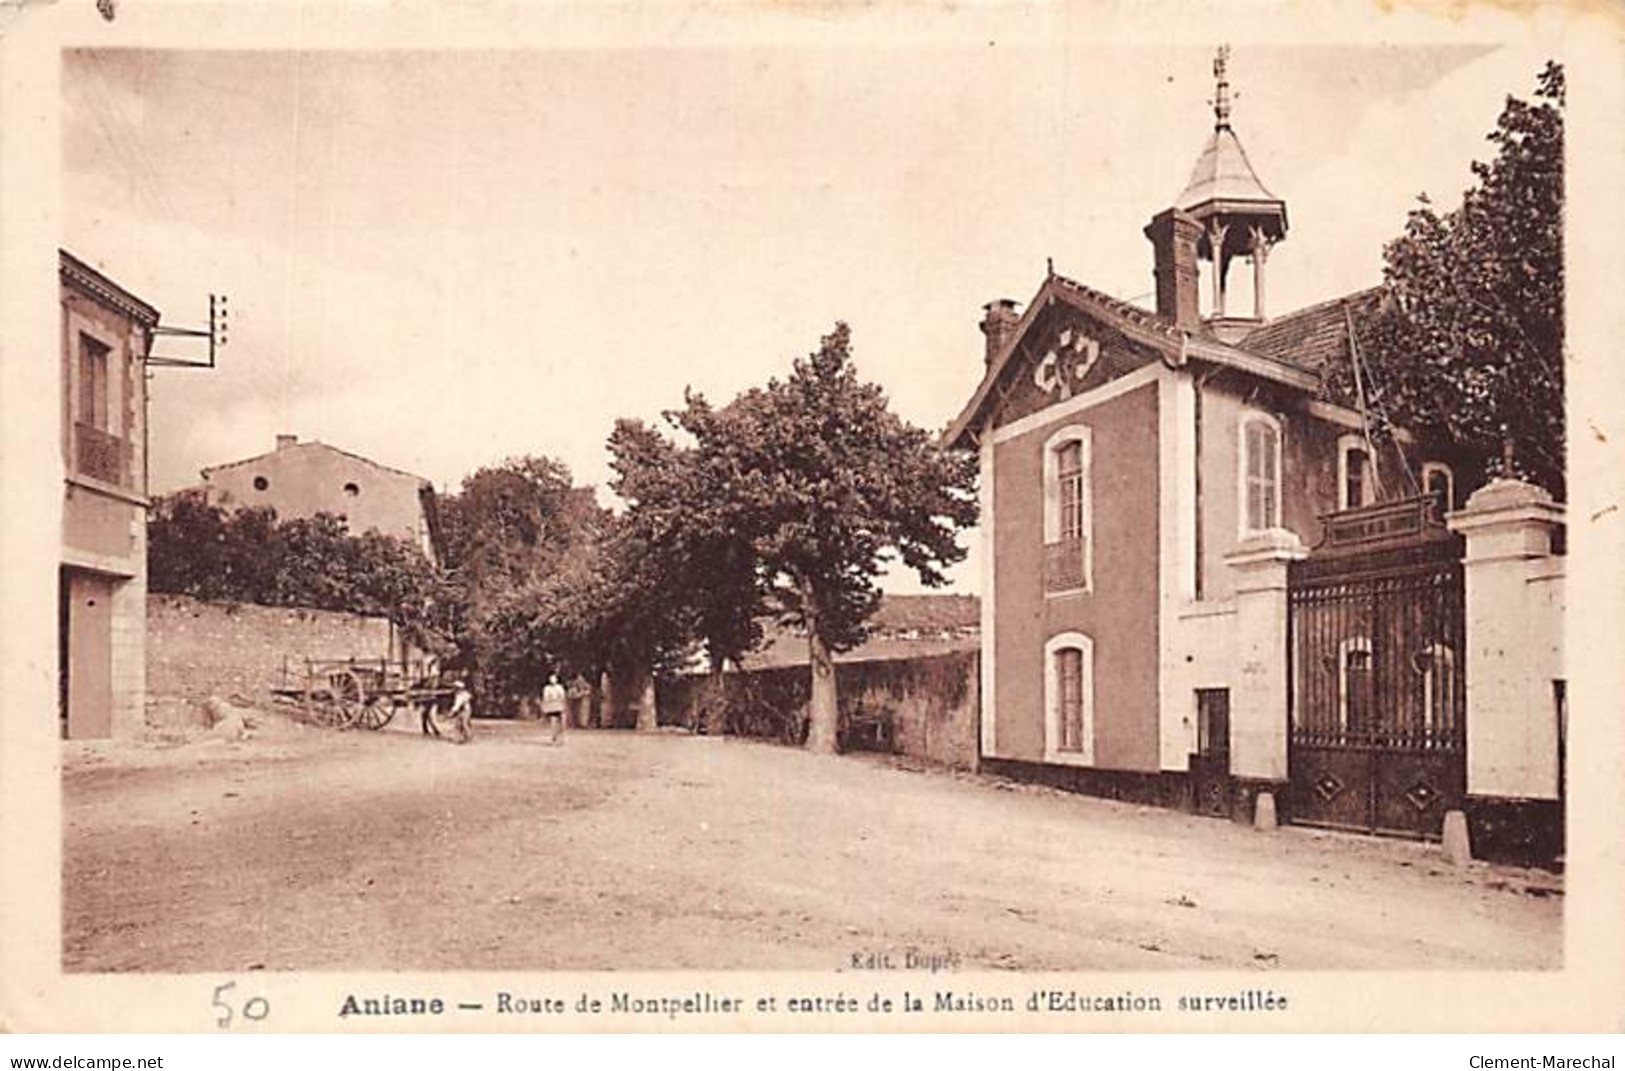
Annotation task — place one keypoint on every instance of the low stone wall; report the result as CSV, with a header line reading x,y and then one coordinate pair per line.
x,y
931,705
196,649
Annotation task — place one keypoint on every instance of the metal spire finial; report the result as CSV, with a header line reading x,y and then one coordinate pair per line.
x,y
1221,96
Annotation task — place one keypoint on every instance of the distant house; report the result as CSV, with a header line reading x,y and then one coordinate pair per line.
x,y
303,479
905,626
102,603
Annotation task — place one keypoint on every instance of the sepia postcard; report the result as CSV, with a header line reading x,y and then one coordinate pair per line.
x,y
811,517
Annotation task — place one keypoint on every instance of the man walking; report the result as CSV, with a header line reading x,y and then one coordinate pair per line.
x,y
554,702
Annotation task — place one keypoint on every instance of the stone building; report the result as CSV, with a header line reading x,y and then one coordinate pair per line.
x,y
303,479
1155,624
106,335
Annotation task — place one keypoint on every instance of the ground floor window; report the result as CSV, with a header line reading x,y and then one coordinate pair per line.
x,y
1069,697
1354,684
1213,722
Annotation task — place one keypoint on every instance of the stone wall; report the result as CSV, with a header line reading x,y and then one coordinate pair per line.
x,y
196,649
931,704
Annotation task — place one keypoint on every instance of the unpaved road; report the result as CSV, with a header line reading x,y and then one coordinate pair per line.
x,y
318,851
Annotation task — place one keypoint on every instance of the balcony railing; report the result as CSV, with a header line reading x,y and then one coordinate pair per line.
x,y
101,456
1066,564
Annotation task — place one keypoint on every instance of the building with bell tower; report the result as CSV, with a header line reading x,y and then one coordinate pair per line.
x,y
1147,476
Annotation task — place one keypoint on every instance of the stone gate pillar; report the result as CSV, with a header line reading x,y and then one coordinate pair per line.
x,y
1258,701
1514,604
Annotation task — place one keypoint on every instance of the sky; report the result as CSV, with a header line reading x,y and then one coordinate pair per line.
x,y
442,259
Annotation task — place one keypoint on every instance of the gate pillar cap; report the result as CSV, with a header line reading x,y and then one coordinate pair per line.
x,y
1503,500
1269,546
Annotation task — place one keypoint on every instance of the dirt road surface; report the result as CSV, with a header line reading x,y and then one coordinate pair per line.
x,y
317,850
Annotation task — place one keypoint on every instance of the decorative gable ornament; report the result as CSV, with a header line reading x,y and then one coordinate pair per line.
x,y
1067,363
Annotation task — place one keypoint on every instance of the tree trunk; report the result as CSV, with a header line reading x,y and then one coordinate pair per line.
x,y
823,713
714,702
595,701
648,713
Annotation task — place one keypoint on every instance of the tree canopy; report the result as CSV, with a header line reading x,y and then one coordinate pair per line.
x,y
793,497
1470,349
250,555
515,536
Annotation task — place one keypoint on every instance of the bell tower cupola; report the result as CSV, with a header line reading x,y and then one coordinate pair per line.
x,y
1230,213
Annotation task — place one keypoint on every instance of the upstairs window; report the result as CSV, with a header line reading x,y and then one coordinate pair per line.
x,y
1068,512
1354,475
1260,474
1440,483
1069,473
93,403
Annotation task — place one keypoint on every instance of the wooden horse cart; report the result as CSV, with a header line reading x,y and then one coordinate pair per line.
x,y
365,693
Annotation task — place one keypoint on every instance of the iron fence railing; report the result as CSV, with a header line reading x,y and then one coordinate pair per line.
x,y
101,455
1066,565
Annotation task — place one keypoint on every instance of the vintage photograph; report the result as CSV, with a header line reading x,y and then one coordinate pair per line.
x,y
902,512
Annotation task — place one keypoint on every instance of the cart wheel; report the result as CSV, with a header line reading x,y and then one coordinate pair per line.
x,y
321,707
347,698
377,714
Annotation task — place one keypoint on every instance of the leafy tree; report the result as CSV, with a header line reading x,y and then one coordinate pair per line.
x,y
696,568
249,555
186,546
509,533
1470,349
827,484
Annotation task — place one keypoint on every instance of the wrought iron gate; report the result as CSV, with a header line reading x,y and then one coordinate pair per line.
x,y
1378,698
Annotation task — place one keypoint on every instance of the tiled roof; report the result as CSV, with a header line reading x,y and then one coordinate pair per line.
x,y
1315,338
905,626
928,612
1140,317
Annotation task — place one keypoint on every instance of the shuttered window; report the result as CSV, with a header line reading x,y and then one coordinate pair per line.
x,y
1261,475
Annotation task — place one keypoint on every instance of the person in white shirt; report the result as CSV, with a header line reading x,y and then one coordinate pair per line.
x,y
462,711
555,700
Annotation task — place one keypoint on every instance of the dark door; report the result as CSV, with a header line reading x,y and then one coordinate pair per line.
x,y
1210,766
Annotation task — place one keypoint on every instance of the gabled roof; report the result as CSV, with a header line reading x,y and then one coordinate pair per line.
x,y
1173,344
324,446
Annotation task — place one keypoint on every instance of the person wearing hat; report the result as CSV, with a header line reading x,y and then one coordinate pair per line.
x,y
462,710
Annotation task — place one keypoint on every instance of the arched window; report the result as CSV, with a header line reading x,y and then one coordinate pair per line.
x,y
1260,458
1437,665
1440,482
1354,685
1354,484
1068,512
1069,698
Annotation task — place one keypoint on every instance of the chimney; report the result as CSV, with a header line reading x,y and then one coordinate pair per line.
x,y
1174,235
285,441
999,320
